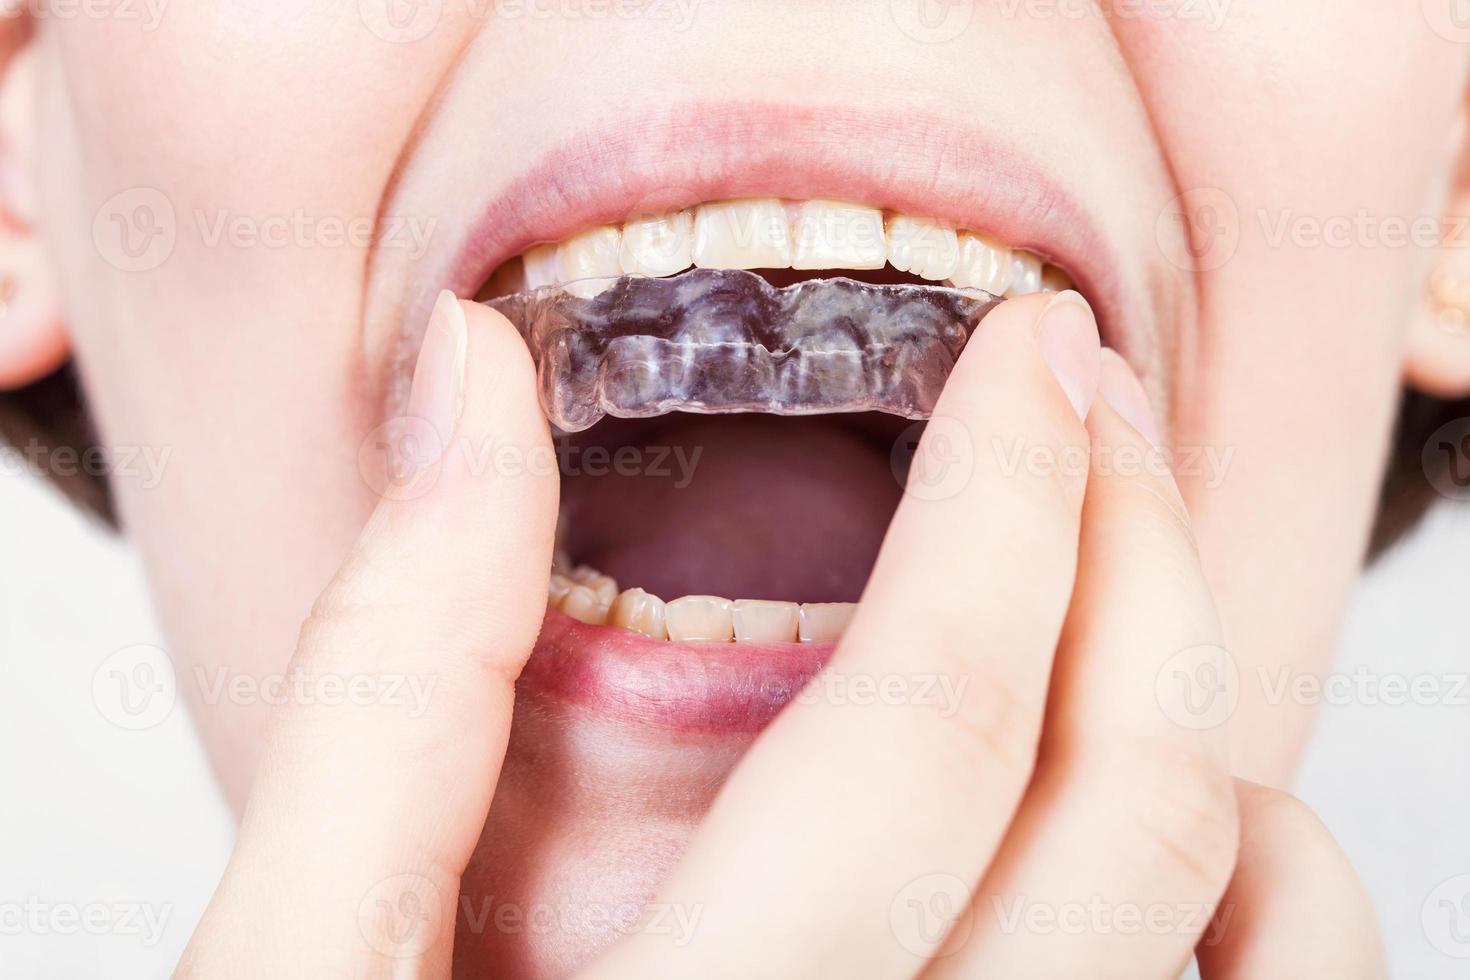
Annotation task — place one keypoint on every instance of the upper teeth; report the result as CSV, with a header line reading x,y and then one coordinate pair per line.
x,y
767,233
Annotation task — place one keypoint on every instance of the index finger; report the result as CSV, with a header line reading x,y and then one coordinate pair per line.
x,y
838,809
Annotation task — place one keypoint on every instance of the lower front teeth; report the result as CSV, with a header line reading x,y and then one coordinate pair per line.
x,y
701,618
758,620
590,597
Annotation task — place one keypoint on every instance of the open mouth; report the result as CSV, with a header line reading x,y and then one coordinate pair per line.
x,y
691,518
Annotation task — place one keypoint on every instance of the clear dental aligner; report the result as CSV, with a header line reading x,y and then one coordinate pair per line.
x,y
725,340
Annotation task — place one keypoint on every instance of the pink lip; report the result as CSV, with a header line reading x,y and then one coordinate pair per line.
x,y
916,163
906,161
714,688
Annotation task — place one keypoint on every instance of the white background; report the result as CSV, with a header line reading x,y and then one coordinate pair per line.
x,y
102,821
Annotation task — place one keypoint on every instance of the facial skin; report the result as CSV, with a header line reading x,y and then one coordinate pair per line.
x,y
264,367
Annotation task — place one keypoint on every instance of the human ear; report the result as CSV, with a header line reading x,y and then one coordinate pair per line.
x,y
33,338
1438,352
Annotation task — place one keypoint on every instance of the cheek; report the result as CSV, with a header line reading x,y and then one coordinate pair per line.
x,y
211,187
1294,373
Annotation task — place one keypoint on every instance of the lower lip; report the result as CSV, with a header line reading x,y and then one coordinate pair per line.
x,y
715,688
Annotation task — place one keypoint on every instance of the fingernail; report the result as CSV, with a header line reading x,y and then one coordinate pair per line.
x,y
438,378
1066,333
1122,390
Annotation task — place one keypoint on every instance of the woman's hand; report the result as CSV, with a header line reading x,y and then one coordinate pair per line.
x,y
1085,796
364,814
1069,814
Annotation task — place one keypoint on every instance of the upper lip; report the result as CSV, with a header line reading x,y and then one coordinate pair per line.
x,y
928,166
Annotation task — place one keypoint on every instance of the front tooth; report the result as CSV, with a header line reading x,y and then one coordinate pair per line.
x,y
593,256
983,265
700,618
749,234
833,235
540,266
640,612
759,621
658,246
922,247
584,605
1055,279
824,621
557,588
1025,273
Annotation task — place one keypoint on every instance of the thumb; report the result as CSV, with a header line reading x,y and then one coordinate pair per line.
x,y
368,804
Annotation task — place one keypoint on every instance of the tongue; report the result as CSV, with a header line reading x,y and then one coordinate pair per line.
x,y
745,507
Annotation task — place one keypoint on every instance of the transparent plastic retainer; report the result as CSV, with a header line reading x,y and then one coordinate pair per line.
x,y
717,341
